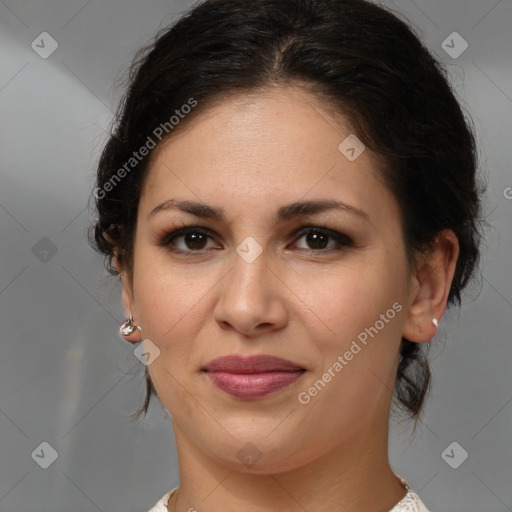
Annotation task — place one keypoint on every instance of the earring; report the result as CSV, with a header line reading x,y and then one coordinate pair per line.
x,y
435,322
127,327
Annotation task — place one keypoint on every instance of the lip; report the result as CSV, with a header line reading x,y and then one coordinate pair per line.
x,y
251,364
252,377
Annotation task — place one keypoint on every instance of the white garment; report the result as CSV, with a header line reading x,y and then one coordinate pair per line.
x,y
409,503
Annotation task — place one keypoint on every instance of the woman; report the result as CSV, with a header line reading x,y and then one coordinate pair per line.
x,y
289,198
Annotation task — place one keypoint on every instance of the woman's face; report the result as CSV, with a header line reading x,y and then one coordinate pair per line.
x,y
252,281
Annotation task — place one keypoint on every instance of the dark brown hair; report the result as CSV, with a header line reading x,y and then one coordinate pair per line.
x,y
361,60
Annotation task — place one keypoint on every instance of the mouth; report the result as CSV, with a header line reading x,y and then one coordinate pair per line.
x,y
252,377
251,364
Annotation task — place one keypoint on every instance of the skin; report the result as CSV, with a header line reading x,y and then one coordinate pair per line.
x,y
250,155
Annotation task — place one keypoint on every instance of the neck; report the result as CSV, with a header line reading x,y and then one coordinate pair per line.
x,y
350,476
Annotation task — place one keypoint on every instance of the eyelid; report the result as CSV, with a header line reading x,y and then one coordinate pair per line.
x,y
165,240
324,230
341,239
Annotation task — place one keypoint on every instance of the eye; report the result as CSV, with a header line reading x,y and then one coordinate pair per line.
x,y
318,239
192,239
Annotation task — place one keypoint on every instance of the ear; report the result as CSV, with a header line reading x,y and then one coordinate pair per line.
x,y
430,287
127,298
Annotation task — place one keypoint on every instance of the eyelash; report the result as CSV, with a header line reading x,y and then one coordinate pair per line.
x,y
343,241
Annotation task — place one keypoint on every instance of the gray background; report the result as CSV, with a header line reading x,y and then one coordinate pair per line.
x,y
68,379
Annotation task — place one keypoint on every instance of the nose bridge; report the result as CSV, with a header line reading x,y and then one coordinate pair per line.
x,y
250,266
248,298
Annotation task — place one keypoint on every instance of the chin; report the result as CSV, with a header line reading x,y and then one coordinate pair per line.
x,y
260,453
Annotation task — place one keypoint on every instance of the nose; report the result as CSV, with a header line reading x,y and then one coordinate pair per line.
x,y
252,298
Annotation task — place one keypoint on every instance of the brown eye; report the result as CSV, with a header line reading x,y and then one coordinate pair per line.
x,y
189,240
195,241
317,240
186,240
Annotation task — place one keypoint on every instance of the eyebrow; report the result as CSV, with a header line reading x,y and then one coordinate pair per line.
x,y
286,212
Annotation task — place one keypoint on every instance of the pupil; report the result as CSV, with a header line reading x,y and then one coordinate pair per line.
x,y
195,240
313,240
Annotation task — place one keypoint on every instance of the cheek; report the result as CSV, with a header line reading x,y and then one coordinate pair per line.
x,y
349,300
358,319
171,305
168,300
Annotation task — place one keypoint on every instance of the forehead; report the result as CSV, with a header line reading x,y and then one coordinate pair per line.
x,y
253,152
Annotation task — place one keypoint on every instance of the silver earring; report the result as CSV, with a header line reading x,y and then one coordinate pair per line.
x,y
128,327
435,322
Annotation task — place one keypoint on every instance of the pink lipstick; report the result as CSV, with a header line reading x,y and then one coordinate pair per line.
x,y
252,377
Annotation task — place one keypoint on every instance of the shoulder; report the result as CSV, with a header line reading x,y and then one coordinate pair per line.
x,y
411,502
161,505
421,507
